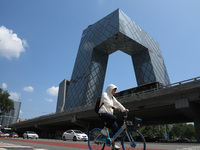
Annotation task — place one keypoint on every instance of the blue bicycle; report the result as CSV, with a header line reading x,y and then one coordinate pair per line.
x,y
131,138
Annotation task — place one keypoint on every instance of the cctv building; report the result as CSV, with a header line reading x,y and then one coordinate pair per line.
x,y
114,32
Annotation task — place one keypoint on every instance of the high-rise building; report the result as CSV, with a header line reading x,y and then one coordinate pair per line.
x,y
114,32
63,86
12,116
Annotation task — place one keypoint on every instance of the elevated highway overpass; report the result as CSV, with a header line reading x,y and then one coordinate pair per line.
x,y
175,103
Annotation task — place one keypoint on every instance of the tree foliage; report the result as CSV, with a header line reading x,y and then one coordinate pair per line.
x,y
180,130
150,131
6,104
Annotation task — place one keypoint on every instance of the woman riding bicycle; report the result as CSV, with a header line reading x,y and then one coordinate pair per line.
x,y
108,103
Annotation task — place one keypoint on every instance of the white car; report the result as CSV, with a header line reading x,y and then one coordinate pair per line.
x,y
6,134
74,135
30,134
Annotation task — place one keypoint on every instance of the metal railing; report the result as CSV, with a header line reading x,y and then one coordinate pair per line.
x,y
138,93
161,88
129,95
183,82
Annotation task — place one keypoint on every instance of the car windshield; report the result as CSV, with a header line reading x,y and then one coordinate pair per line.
x,y
77,131
31,132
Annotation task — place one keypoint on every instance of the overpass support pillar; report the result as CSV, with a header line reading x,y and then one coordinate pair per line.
x,y
80,123
191,111
197,128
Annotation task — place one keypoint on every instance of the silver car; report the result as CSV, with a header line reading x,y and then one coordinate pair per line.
x,y
74,135
30,135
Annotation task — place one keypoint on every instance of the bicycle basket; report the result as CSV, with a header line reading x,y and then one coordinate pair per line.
x,y
136,124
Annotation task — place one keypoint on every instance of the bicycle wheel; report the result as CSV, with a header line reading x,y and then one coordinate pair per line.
x,y
96,140
136,141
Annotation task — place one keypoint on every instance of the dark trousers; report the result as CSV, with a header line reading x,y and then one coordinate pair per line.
x,y
110,121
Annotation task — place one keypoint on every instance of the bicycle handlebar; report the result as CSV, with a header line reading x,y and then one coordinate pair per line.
x,y
125,115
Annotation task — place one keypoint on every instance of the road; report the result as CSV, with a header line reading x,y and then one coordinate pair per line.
x,y
47,144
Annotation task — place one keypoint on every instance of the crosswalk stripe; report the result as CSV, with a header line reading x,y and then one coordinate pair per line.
x,y
3,146
11,145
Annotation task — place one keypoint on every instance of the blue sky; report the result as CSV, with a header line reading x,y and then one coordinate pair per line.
x,y
39,41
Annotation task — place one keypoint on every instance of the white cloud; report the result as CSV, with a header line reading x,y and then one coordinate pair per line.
x,y
10,45
21,112
14,95
49,100
4,85
53,91
28,89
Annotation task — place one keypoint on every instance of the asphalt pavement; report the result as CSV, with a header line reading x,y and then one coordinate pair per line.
x,y
50,144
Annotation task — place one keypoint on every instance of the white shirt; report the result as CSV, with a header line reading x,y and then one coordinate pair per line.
x,y
109,101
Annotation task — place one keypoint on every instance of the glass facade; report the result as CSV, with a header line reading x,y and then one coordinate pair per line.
x,y
114,32
12,116
63,86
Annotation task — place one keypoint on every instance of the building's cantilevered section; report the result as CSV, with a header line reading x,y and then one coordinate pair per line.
x,y
114,32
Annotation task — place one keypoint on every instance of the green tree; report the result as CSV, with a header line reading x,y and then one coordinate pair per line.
x,y
178,130
6,104
182,130
190,132
151,131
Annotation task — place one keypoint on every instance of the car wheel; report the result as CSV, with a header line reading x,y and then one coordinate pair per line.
x,y
64,138
74,138
23,137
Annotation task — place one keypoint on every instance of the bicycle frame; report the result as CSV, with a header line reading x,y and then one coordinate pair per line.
x,y
108,141
130,136
121,129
